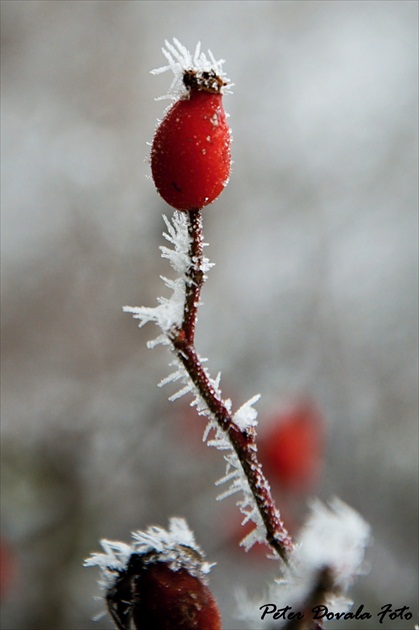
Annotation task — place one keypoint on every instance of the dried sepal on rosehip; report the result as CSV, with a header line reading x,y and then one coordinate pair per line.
x,y
190,153
159,581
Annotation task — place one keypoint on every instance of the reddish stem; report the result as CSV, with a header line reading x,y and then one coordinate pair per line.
x,y
195,275
243,442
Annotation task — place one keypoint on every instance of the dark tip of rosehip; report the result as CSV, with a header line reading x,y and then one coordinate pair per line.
x,y
205,81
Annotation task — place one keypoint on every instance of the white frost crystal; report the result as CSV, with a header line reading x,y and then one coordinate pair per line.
x,y
180,59
175,546
245,417
169,312
334,536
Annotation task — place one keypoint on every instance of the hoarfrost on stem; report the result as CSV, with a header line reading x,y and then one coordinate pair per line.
x,y
245,417
168,316
169,312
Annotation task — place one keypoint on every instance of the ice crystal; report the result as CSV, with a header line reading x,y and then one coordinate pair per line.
x,y
238,483
114,560
334,536
175,546
181,60
245,417
169,312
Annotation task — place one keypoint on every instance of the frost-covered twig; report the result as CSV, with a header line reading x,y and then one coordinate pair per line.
x,y
234,433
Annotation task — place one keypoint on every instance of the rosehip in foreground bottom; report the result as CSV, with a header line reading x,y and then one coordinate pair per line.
x,y
154,595
169,600
158,582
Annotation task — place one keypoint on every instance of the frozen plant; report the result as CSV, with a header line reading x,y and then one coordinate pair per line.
x,y
190,163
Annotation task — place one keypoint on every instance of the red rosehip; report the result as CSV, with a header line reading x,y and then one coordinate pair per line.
x,y
173,600
149,595
159,581
190,155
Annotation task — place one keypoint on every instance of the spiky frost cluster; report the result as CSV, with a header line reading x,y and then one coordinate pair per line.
x,y
175,546
181,60
333,536
169,312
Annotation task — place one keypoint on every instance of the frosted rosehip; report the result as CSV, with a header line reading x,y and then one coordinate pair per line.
x,y
172,600
159,581
153,594
190,154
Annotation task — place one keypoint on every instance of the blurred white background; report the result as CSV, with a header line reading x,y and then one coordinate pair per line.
x,y
314,290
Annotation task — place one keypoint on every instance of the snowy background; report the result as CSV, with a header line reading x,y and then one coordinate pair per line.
x,y
314,292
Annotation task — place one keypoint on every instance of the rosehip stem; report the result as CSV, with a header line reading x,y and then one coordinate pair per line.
x,y
195,275
243,442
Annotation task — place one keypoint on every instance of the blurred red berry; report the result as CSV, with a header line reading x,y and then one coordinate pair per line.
x,y
7,568
190,155
291,450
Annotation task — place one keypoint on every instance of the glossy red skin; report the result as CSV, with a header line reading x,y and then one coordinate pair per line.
x,y
190,155
173,600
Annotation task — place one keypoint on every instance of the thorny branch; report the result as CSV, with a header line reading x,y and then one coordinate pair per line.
x,y
243,442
